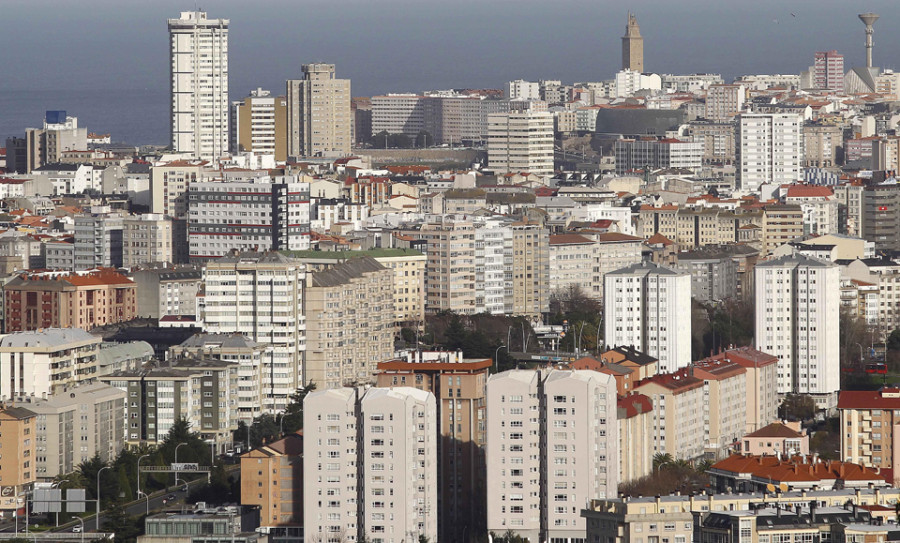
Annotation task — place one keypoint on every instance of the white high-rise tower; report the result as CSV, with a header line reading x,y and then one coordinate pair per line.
x,y
198,49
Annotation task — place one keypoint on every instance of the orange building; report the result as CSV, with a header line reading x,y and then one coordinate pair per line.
x,y
68,300
17,473
272,478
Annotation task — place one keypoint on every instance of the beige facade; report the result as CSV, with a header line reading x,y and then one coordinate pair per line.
x,y
724,408
776,439
530,269
45,362
459,387
272,478
820,145
259,125
571,256
678,413
761,384
450,268
521,141
319,118
169,187
540,468
147,238
632,46
75,425
17,461
781,224
717,138
693,228
723,102
869,420
349,323
850,195
635,418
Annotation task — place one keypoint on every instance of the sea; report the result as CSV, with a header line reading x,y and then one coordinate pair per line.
x,y
134,116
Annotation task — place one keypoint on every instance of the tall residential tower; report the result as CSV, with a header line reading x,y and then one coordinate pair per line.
x,y
318,120
198,65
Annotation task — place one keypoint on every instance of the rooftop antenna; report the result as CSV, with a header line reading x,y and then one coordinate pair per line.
x,y
869,19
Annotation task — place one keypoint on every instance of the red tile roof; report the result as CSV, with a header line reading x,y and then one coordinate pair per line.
x,y
809,191
776,429
569,239
886,398
634,405
795,469
615,236
659,239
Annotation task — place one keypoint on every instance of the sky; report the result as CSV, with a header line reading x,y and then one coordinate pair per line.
x,y
57,46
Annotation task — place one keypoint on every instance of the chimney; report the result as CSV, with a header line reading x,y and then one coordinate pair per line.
x,y
658,501
858,492
812,512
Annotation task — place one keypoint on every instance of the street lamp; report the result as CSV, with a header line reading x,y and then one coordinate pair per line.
x,y
97,517
496,354
139,475
79,519
176,462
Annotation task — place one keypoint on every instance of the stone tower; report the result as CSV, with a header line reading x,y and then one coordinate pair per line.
x,y
632,46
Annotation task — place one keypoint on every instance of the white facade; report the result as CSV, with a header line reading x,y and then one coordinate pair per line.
x,y
648,307
797,306
552,446
629,82
254,214
370,465
261,296
521,141
769,149
523,90
493,256
44,362
198,50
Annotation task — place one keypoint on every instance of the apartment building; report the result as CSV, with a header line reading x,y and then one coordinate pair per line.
x,y
521,141
318,113
723,102
458,385
349,323
725,415
146,239
169,184
261,295
678,413
781,224
713,274
718,140
17,463
60,132
868,420
884,275
98,240
449,117
62,300
259,125
692,228
769,149
571,257
272,478
797,305
46,361
373,474
202,391
248,355
647,306
198,73
761,383
450,267
656,154
818,205
530,269
828,71
247,214
74,425
553,445
820,145
880,217
635,421
167,291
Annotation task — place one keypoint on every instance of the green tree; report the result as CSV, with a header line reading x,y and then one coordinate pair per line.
x,y
893,340
292,418
116,520
123,484
660,460
797,407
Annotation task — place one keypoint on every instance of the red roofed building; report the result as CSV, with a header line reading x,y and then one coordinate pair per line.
x,y
776,438
759,473
678,414
68,300
869,419
761,371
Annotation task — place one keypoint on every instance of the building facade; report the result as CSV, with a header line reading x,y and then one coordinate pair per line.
x,y
259,125
521,141
318,117
146,239
769,149
198,73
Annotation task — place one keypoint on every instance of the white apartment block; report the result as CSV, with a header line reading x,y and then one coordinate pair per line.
x,y
398,114
690,83
260,295
552,445
657,154
573,258
259,124
769,149
521,141
169,187
147,238
648,306
493,254
523,90
319,118
198,50
98,240
253,214
43,362
629,82
370,465
797,306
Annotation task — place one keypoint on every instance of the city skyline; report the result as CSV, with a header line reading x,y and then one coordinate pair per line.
x,y
376,48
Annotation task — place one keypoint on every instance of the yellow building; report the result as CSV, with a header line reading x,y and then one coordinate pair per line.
x,y
17,455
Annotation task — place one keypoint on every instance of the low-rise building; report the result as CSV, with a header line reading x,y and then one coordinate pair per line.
x,y
745,473
68,300
778,438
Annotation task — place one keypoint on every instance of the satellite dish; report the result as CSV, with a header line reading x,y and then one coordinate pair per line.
x,y
770,487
